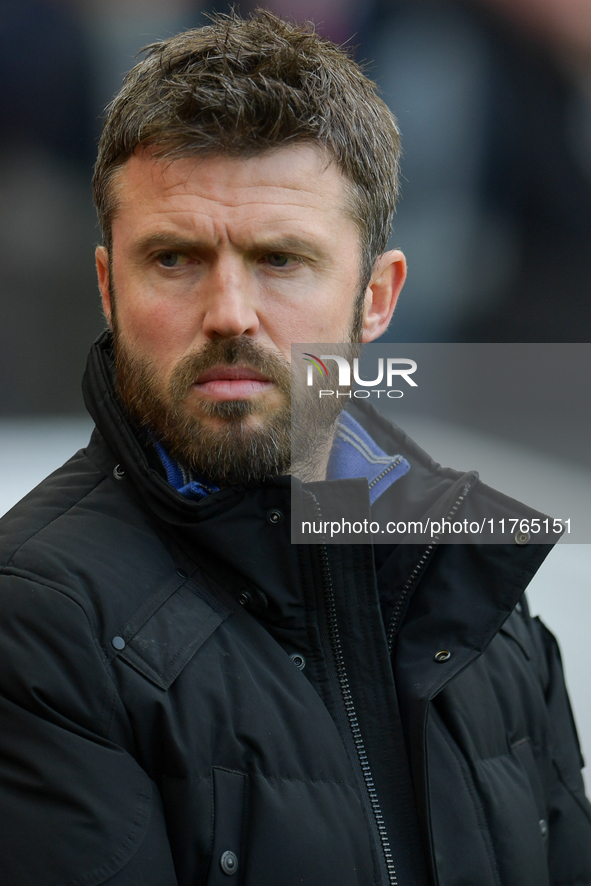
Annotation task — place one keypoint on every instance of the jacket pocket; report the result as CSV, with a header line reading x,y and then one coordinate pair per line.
x,y
168,629
524,753
512,795
228,856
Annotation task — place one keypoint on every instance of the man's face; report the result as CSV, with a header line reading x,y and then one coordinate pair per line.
x,y
218,265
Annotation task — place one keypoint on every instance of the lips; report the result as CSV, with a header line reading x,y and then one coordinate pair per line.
x,y
231,383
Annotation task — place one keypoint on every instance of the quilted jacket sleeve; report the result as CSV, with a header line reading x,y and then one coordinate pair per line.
x,y
76,808
570,812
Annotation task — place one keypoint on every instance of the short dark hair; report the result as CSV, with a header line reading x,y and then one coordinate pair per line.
x,y
243,86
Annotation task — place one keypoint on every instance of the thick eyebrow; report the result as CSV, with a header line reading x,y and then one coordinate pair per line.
x,y
163,240
290,243
177,243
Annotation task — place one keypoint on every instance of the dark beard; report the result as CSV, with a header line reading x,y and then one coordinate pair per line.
x,y
239,451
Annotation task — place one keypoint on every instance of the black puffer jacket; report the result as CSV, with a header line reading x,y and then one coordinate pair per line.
x,y
187,698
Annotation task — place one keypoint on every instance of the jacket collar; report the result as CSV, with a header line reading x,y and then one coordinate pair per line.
x,y
425,488
354,454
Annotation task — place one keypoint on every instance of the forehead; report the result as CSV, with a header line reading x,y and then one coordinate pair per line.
x,y
298,181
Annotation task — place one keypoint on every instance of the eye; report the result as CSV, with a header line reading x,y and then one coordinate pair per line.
x,y
280,259
172,259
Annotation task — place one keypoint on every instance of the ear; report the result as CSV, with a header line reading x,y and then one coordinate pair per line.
x,y
382,293
102,269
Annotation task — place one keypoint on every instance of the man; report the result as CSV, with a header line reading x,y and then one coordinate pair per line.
x,y
186,697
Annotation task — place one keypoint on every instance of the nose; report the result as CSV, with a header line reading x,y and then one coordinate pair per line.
x,y
230,306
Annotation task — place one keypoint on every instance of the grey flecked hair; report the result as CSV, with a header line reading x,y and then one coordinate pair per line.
x,y
240,87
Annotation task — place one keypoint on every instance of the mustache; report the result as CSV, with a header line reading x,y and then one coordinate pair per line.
x,y
229,352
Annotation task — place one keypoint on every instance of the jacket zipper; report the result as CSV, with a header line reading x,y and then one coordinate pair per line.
x,y
416,574
387,470
347,697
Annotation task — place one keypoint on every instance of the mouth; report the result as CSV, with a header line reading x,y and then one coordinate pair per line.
x,y
232,383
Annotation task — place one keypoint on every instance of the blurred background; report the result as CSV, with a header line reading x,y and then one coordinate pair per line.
x,y
494,103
